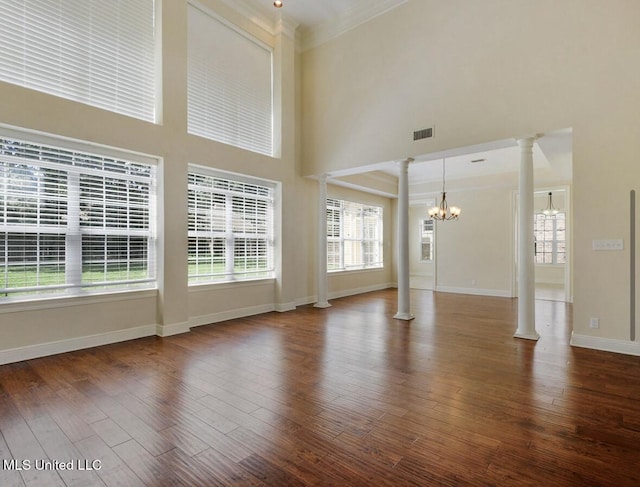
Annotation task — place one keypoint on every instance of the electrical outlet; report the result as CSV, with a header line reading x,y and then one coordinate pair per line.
x,y
594,323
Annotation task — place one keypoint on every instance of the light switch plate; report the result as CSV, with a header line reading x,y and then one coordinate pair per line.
x,y
611,244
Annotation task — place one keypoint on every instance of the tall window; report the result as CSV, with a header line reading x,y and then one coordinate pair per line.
x,y
354,235
73,221
426,239
231,226
229,84
550,239
102,53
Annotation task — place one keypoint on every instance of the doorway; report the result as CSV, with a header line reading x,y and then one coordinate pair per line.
x,y
422,258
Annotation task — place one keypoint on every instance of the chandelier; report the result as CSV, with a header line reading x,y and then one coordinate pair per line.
x,y
550,210
443,211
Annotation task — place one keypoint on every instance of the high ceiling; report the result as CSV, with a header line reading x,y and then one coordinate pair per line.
x,y
317,20
320,20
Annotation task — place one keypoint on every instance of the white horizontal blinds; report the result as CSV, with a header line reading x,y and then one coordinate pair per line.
x,y
102,53
230,229
371,236
334,230
229,85
354,235
72,221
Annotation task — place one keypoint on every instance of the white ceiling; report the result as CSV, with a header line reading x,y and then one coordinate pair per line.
x,y
499,164
552,157
317,21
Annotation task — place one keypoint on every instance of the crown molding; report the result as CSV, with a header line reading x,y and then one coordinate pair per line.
x,y
281,25
357,15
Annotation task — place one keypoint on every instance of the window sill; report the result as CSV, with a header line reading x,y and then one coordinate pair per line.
x,y
354,271
216,286
52,302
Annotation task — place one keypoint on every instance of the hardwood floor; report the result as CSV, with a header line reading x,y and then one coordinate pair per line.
x,y
340,396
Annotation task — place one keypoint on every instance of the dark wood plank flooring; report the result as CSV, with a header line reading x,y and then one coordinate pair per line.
x,y
341,396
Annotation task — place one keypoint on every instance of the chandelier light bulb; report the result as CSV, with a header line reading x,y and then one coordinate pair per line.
x,y
443,212
277,4
550,210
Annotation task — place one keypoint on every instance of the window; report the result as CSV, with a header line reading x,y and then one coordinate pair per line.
x,y
426,239
231,227
73,221
550,240
95,52
354,235
229,84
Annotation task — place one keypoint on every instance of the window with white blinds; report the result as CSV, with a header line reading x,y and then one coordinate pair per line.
x,y
231,226
73,222
354,236
229,84
550,246
102,53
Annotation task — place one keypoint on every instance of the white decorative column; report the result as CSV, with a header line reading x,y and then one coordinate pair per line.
x,y
404,301
323,286
526,270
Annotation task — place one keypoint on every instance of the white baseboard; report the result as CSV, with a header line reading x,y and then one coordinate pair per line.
x,y
62,346
500,293
346,292
605,344
230,315
284,307
360,290
173,329
306,300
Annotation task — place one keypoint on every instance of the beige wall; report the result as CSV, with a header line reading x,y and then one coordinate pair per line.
x,y
420,271
475,253
32,327
543,65
349,282
491,70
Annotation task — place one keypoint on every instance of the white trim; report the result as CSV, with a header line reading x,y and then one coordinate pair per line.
x,y
499,293
605,344
206,287
284,307
346,292
230,314
360,290
73,144
364,189
172,329
357,15
45,302
68,345
306,300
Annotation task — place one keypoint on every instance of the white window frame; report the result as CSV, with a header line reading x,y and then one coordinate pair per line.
x,y
222,224
80,205
230,83
339,208
103,54
554,240
427,237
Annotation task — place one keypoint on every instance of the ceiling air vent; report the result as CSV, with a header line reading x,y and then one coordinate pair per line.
x,y
423,134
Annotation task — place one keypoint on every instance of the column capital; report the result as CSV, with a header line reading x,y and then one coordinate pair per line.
x,y
528,140
404,164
